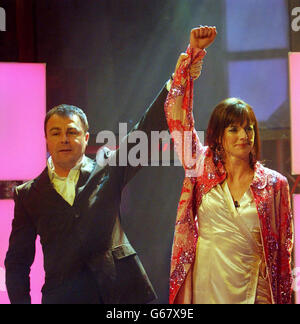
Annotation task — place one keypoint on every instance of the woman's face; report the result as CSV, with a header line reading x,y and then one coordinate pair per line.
x,y
238,140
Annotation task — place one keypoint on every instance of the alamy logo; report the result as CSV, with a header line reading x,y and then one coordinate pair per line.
x,y
2,19
141,149
296,21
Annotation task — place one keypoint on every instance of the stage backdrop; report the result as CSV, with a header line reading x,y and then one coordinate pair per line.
x,y
111,57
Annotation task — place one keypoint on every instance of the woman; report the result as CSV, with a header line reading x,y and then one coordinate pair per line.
x,y
234,232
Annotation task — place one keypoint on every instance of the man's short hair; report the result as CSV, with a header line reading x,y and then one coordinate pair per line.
x,y
67,111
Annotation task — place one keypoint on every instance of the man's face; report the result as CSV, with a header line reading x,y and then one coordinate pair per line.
x,y
66,141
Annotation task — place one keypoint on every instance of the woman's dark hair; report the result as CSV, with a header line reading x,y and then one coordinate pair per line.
x,y
228,112
67,111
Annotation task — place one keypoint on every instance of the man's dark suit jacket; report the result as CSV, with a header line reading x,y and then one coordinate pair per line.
x,y
87,235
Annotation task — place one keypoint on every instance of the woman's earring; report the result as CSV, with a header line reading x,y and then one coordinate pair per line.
x,y
220,152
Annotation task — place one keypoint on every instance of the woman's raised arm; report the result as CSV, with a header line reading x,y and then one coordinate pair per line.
x,y
179,103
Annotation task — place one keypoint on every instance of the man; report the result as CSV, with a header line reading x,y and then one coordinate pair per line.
x,y
74,207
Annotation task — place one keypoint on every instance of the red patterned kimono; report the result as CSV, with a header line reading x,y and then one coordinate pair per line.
x,y
269,188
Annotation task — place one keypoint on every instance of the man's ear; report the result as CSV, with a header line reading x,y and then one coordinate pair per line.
x,y
46,142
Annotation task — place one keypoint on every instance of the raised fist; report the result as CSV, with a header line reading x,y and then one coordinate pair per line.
x,y
202,37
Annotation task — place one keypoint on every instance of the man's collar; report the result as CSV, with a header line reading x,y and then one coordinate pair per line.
x,y
83,164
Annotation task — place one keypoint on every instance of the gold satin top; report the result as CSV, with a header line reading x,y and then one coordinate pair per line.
x,y
229,265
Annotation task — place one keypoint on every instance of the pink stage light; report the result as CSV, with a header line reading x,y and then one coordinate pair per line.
x,y
294,70
23,150
37,271
294,67
6,216
22,113
296,270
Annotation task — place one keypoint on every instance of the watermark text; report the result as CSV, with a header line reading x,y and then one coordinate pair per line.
x,y
159,148
296,20
2,19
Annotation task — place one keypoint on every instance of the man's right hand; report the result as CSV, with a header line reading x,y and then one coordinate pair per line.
x,y
202,37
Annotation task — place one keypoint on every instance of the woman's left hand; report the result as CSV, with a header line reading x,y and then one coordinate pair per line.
x,y
202,37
